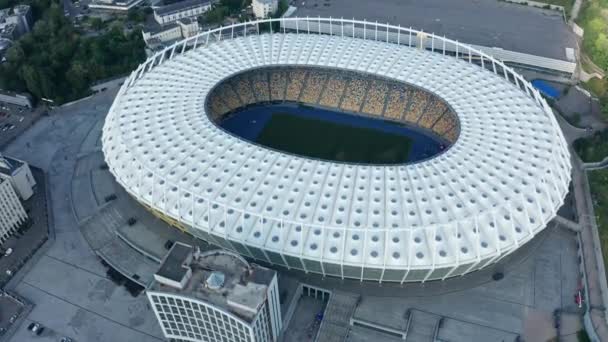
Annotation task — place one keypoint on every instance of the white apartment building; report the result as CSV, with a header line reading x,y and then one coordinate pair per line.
x,y
18,174
264,8
163,35
180,10
15,22
121,6
215,296
12,214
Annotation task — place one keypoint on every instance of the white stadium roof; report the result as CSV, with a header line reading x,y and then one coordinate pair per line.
x,y
498,186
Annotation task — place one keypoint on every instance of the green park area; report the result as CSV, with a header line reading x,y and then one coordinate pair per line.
x,y
598,184
55,61
593,18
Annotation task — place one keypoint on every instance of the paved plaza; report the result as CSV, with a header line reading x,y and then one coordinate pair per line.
x,y
68,285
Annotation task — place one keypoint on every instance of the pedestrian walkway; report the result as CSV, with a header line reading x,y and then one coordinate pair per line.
x,y
336,321
592,254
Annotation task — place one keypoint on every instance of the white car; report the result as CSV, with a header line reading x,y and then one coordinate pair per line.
x,y
8,252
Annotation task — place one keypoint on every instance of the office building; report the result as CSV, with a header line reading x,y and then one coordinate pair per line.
x,y
215,296
264,8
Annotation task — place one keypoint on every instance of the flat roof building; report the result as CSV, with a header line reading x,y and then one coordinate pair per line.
x,y
114,5
157,36
12,214
23,100
19,175
180,10
215,296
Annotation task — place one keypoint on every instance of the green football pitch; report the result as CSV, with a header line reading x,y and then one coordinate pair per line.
x,y
333,141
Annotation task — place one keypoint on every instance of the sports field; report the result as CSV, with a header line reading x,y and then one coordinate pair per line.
x,y
329,135
333,141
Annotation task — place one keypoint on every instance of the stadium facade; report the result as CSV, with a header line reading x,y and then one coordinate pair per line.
x,y
499,183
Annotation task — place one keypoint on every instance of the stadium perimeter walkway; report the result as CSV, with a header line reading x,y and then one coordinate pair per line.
x,y
594,269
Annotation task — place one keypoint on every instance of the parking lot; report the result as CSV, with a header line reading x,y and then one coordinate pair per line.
x,y
482,22
26,241
15,119
12,310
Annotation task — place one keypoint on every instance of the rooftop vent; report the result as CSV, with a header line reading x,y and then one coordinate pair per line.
x,y
215,281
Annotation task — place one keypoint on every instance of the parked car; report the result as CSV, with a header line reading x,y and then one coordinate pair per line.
x,y
36,328
8,252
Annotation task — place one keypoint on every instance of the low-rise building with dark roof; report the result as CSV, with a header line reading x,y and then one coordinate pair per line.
x,y
180,10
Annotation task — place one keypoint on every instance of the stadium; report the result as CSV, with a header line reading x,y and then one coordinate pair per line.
x,y
498,176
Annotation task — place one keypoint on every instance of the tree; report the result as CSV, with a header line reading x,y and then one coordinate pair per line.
x,y
233,6
216,15
137,15
54,61
97,24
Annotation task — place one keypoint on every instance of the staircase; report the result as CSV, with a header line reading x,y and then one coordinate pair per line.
x,y
422,327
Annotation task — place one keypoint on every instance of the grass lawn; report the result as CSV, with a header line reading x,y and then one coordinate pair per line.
x,y
598,183
594,148
596,86
333,141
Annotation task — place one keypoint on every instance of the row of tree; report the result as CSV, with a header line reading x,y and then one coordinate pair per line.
x,y
595,23
55,62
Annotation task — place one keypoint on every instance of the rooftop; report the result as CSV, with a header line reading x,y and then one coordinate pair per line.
x,y
241,291
173,267
9,165
181,6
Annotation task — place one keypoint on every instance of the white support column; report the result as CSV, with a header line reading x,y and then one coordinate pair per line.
x,y
410,38
364,29
399,35
331,27
376,32
387,32
195,42
319,24
307,26
409,250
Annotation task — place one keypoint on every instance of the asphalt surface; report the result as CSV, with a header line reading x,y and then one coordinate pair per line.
x,y
489,23
25,245
72,294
